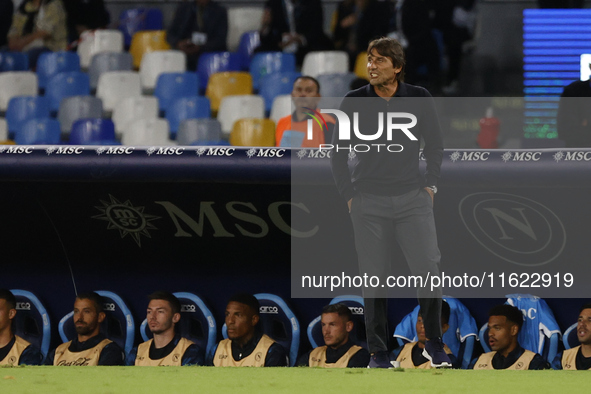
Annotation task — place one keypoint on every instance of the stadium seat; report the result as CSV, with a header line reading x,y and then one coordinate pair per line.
x,y
108,61
39,132
241,20
52,63
460,337
32,322
78,107
145,42
197,323
97,41
114,86
14,61
569,338
357,335
137,19
171,86
227,84
23,108
281,107
265,63
3,131
249,41
194,107
132,108
292,139
237,107
16,83
95,131
278,322
325,62
216,62
155,63
118,326
361,66
540,332
147,132
276,84
335,85
66,84
253,132
199,131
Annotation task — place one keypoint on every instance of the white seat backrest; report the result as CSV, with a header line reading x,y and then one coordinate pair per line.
x,y
325,62
147,132
16,83
241,20
157,62
281,107
237,107
3,130
93,42
114,86
132,108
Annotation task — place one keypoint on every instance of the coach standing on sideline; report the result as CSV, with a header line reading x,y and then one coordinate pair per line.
x,y
388,198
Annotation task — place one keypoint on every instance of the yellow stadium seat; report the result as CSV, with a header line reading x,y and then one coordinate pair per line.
x,y
361,66
225,84
147,41
253,132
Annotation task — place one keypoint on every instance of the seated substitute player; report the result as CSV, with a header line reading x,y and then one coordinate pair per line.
x,y
411,354
578,357
90,347
246,345
504,323
338,351
14,350
166,348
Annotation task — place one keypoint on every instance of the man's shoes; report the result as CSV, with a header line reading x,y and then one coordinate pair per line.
x,y
434,351
379,360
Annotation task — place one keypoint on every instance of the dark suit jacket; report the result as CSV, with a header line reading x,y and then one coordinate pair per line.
x,y
574,115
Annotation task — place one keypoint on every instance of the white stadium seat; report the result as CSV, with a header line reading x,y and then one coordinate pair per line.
x,y
133,108
281,107
155,63
97,41
147,132
16,83
325,62
237,107
114,86
241,20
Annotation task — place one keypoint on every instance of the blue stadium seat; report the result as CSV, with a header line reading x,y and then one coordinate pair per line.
x,y
265,63
215,62
139,19
195,107
281,324
460,337
24,108
66,84
39,132
118,326
32,322
199,132
249,41
197,323
171,86
94,131
276,84
357,335
569,338
14,61
52,63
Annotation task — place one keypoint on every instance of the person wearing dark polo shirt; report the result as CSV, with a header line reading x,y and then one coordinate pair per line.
x,y
90,347
246,345
166,348
14,350
578,357
338,351
504,323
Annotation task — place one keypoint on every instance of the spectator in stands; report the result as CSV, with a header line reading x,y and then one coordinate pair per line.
x,y
38,26
198,26
338,351
166,348
305,95
573,120
578,357
90,347
504,323
6,10
14,350
411,354
357,22
246,345
294,26
85,15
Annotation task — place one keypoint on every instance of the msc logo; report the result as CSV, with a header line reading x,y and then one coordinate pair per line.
x,y
577,156
187,308
218,152
356,310
68,150
513,228
469,156
18,149
271,152
169,150
318,154
23,306
521,156
269,309
119,150
109,307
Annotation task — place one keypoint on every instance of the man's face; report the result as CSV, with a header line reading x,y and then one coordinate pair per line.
x,y
584,327
501,333
160,317
420,327
380,68
6,315
240,320
86,318
305,93
335,329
